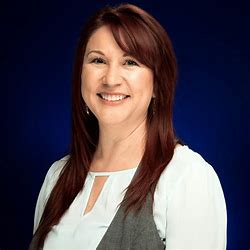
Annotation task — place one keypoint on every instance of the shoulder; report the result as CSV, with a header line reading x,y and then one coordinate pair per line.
x,y
53,174
186,157
187,168
47,186
187,161
56,168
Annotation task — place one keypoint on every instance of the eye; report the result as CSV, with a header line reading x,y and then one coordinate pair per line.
x,y
97,60
131,62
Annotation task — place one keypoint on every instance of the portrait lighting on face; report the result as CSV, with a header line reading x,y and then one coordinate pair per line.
x,y
115,87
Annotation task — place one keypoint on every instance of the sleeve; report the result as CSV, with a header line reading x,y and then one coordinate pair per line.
x,y
196,214
47,186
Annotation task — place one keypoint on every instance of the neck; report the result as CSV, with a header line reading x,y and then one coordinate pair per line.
x,y
119,147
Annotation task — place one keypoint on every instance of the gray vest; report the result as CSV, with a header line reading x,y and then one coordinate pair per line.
x,y
135,232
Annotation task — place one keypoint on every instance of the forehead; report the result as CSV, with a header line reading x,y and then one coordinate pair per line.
x,y
103,39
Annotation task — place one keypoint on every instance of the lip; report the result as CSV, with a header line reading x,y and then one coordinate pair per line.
x,y
111,93
112,103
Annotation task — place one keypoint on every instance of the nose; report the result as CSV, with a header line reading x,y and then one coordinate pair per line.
x,y
112,76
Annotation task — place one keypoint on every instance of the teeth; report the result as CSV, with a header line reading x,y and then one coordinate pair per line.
x,y
112,98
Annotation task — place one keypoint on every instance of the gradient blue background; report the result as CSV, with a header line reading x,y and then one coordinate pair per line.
x,y
38,40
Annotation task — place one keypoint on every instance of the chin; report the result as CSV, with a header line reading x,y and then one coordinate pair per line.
x,y
112,120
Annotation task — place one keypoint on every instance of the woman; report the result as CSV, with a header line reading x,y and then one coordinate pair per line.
x,y
128,181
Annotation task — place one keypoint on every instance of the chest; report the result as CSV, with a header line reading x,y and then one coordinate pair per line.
x,y
94,215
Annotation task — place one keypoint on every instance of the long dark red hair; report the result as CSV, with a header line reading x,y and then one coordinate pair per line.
x,y
141,36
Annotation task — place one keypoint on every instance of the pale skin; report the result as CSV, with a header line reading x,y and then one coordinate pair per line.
x,y
108,75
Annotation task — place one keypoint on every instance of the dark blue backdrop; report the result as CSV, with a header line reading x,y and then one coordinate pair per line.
x,y
38,40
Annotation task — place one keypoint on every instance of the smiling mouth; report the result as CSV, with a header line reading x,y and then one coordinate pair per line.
x,y
112,98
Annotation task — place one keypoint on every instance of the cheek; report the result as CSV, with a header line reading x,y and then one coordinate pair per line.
x,y
86,80
143,83
83,85
90,77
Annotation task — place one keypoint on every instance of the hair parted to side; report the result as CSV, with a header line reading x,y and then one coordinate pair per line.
x,y
141,36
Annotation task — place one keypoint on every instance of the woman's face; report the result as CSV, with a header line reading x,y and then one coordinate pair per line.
x,y
115,86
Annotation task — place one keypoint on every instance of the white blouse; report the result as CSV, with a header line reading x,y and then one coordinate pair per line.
x,y
189,207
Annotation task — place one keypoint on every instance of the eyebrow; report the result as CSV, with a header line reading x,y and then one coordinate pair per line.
x,y
101,53
95,51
